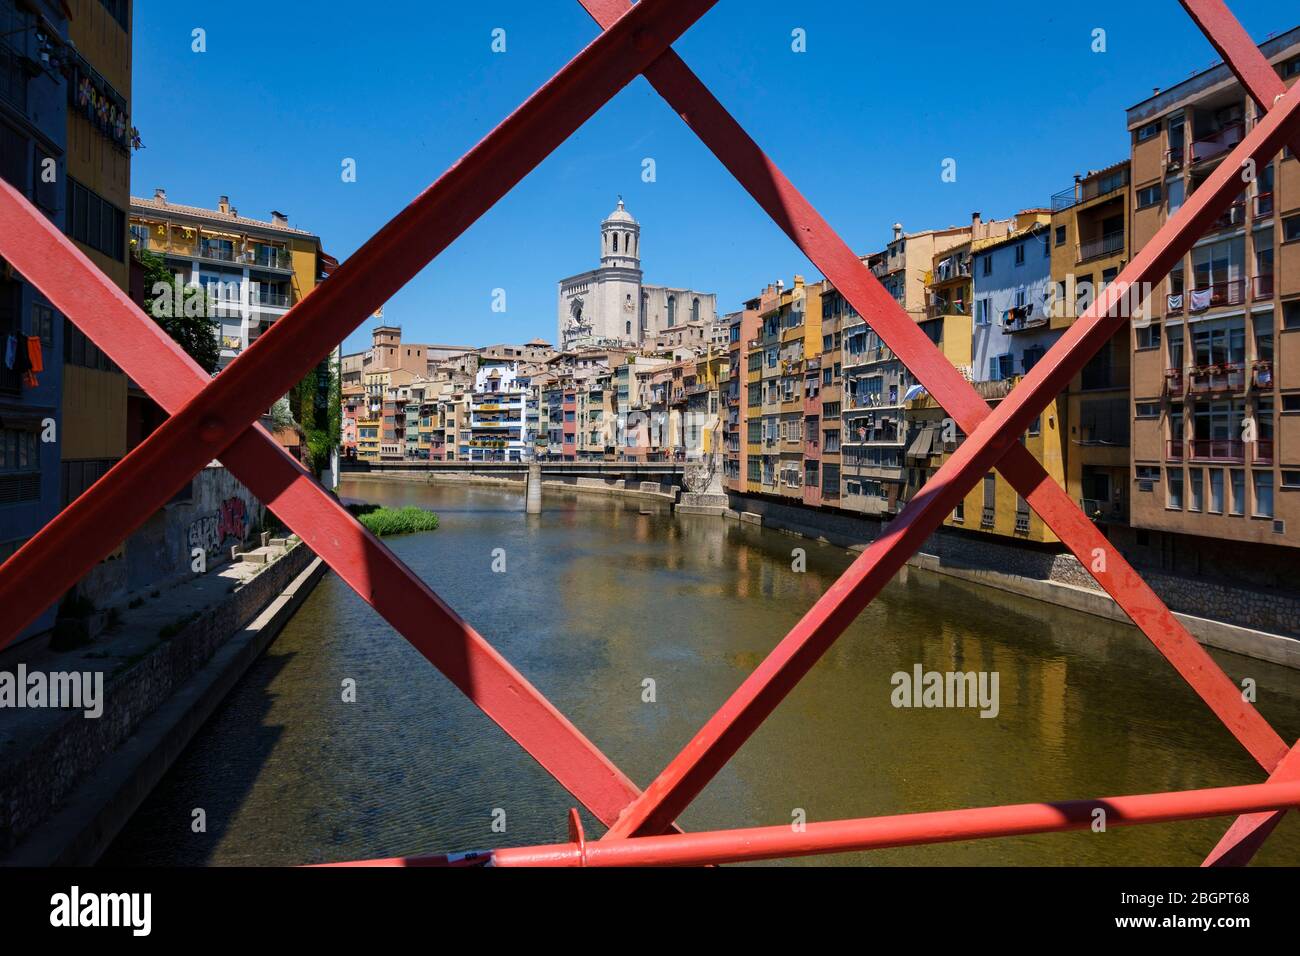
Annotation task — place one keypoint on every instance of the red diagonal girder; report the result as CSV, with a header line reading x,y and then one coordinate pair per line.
x,y
102,311
42,569
1265,87
709,750
808,230
88,529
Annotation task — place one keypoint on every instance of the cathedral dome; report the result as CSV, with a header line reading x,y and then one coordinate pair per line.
x,y
620,214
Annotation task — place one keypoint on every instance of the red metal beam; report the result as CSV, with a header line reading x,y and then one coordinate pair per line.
x,y
1249,832
759,695
878,833
102,311
86,531
774,192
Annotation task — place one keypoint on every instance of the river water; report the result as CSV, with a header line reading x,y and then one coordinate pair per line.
x,y
596,597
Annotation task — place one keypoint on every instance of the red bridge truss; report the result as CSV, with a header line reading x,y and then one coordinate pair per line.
x,y
216,418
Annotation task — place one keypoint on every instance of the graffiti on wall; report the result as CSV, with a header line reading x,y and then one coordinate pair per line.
x,y
230,521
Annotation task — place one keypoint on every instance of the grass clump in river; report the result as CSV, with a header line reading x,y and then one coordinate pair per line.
x,y
386,521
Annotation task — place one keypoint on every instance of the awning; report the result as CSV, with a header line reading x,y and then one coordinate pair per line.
x,y
924,442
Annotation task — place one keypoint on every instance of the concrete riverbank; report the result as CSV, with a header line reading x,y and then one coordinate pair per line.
x,y
1257,624
69,782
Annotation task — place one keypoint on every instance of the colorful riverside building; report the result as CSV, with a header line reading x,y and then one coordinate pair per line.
x,y
1216,373
496,415
1090,246
1012,289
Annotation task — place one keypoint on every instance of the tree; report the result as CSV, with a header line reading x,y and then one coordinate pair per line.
x,y
192,329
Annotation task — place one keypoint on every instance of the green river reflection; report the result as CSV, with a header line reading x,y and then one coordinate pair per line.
x,y
597,597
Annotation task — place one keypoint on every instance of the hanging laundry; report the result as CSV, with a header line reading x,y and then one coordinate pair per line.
x,y
1201,299
35,362
1176,303
11,352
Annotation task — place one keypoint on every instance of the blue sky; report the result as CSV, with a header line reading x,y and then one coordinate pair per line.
x,y
861,123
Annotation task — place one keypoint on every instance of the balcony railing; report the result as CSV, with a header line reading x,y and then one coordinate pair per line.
x,y
219,253
1089,189
1218,143
276,299
269,259
1234,217
1231,292
1210,449
1108,245
1222,377
986,518
1023,320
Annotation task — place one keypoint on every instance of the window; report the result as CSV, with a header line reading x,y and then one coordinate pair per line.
x,y
1020,254
95,222
1291,68
1263,494
1060,235
1197,499
1148,337
988,265
1291,229
1148,410
1238,504
77,476
120,11
43,323
1150,131
1150,196
1147,473
1216,491
1291,403
1291,479
959,513
20,465
1174,500
1001,367
1291,315
982,312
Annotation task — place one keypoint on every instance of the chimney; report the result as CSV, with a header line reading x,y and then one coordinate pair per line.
x,y
223,205
279,219
976,220
160,195
898,231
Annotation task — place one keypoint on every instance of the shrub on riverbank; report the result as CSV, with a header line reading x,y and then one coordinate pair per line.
x,y
386,521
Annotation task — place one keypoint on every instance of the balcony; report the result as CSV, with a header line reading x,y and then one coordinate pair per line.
x,y
1221,377
1108,245
1089,189
937,310
274,299
1217,144
1232,292
1099,510
1234,217
216,253
269,259
1023,319
1211,449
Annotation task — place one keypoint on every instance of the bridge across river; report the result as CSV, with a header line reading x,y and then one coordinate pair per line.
x,y
660,472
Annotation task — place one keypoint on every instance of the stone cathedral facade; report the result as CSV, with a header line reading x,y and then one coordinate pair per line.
x,y
610,305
